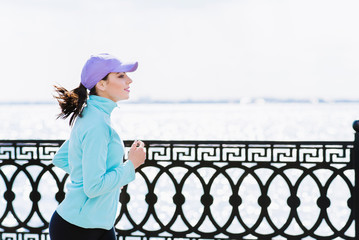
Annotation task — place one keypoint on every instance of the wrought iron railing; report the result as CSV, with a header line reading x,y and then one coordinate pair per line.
x,y
200,190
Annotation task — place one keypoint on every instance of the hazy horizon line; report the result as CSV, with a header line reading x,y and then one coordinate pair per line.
x,y
244,100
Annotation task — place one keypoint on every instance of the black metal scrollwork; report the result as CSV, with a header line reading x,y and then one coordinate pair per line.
x,y
198,190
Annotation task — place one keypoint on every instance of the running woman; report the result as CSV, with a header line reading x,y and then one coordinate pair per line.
x,y
93,154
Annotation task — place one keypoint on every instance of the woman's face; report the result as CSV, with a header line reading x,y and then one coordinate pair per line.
x,y
116,87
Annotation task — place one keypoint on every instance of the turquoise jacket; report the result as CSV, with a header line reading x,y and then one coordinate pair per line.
x,y
93,156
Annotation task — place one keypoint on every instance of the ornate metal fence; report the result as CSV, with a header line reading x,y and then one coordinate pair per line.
x,y
200,190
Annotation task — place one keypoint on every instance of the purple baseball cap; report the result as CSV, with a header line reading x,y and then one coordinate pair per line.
x,y
98,66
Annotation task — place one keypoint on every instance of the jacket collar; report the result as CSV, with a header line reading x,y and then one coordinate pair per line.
x,y
104,104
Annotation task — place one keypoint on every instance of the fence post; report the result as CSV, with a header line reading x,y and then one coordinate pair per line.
x,y
355,160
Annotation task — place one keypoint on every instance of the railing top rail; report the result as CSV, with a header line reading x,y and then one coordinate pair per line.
x,y
195,141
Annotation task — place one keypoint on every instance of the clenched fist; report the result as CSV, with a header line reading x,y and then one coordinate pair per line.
x,y
137,153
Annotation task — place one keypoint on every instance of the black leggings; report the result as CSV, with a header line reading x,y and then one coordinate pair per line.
x,y
60,229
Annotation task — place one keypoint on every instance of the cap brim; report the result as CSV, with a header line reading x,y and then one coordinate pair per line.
x,y
126,67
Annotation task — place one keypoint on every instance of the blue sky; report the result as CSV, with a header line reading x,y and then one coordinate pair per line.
x,y
189,49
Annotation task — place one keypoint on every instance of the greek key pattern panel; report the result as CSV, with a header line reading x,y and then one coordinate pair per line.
x,y
197,190
286,152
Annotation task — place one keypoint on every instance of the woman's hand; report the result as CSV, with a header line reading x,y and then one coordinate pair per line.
x,y
137,153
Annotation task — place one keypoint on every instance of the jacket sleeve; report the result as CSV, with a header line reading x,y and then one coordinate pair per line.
x,y
61,159
96,179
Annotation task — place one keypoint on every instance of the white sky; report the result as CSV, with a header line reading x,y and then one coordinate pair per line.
x,y
187,49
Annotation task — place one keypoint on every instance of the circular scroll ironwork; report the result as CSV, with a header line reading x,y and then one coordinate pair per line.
x,y
198,190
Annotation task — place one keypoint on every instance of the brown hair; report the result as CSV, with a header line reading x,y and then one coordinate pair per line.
x,y
73,102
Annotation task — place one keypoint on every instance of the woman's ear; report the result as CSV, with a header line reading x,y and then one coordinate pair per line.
x,y
101,85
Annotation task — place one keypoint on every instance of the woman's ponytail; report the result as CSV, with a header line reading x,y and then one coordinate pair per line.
x,y
71,102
